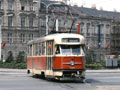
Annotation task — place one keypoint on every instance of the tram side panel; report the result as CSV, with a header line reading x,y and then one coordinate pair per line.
x,y
40,63
29,62
36,63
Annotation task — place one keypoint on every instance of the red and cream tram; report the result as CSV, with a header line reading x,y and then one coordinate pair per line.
x,y
59,56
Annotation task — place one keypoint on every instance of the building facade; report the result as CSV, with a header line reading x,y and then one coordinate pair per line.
x,y
20,24
25,20
1,15
115,37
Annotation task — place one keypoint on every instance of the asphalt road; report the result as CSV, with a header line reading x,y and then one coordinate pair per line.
x,y
13,79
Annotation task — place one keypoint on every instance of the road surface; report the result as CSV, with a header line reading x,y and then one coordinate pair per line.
x,y
13,79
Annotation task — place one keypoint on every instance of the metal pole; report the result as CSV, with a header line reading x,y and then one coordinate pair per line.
x,y
79,28
47,12
0,39
46,20
99,36
57,23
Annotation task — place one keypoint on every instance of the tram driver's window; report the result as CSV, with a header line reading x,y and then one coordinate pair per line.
x,y
57,50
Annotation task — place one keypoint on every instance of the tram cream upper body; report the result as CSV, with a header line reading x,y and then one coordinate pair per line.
x,y
58,39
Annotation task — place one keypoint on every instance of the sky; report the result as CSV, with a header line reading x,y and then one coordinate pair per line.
x,y
107,5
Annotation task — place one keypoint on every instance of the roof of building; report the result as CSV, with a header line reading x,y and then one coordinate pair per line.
x,y
83,11
98,13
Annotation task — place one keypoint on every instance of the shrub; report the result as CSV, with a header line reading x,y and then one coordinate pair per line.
x,y
10,57
98,65
20,57
119,62
13,65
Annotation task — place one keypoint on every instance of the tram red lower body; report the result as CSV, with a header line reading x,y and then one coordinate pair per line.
x,y
66,63
36,63
58,63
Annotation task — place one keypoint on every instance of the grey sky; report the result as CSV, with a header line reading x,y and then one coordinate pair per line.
x,y
109,5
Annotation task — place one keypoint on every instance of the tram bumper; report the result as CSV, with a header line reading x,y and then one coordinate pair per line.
x,y
70,75
71,79
58,73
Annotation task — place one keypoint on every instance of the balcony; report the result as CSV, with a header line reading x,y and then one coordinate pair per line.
x,y
25,12
1,12
10,11
20,28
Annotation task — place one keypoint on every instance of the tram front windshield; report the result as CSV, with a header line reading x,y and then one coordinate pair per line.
x,y
70,49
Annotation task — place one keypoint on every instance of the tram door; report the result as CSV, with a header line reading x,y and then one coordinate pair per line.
x,y
49,54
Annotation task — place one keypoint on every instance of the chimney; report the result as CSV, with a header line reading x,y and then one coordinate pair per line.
x,y
93,6
101,8
115,10
78,28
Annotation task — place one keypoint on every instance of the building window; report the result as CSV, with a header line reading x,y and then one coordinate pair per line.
x,y
22,38
102,29
82,27
31,22
10,38
10,4
23,21
9,21
0,4
22,5
42,22
31,6
107,29
30,36
88,27
94,29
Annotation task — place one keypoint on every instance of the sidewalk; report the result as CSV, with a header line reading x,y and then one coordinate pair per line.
x,y
104,71
12,70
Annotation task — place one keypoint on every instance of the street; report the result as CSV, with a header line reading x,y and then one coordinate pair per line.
x,y
14,79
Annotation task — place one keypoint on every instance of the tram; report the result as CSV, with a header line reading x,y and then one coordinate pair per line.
x,y
59,56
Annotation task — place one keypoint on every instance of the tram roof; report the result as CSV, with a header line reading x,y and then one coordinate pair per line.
x,y
58,38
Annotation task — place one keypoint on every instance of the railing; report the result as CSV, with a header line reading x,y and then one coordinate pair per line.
x,y
88,34
17,40
27,11
1,11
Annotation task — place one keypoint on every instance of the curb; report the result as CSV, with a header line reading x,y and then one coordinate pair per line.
x,y
103,71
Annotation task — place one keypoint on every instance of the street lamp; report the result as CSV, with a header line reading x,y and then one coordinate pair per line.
x,y
47,11
0,36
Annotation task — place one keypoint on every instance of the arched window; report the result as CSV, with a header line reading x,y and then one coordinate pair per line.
x,y
81,27
10,57
88,27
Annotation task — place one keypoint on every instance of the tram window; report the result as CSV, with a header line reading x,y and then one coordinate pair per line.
x,y
49,47
72,50
57,50
30,50
36,49
70,40
43,48
75,50
40,48
65,49
82,51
